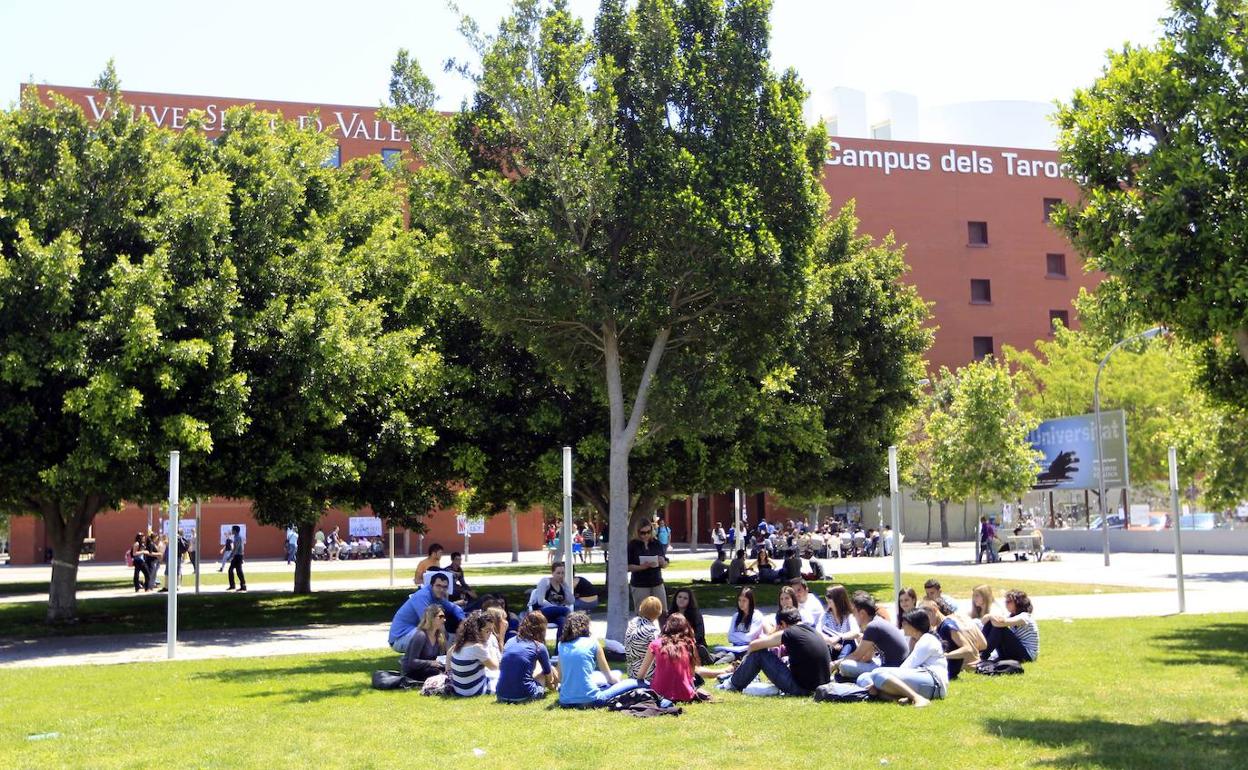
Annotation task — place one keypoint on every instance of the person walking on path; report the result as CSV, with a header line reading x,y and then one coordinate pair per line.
x,y
236,561
645,566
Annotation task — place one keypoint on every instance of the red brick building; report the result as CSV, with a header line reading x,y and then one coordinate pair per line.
x,y
973,220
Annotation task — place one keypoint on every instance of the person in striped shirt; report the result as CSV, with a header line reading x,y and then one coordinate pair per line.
x,y
473,661
1014,635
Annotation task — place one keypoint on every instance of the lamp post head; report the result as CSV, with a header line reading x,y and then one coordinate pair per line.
x,y
1153,332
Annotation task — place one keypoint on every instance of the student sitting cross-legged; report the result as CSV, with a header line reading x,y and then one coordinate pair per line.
x,y
524,673
922,676
585,679
672,660
473,660
808,664
881,644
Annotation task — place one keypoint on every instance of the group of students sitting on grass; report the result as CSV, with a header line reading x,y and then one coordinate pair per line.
x,y
807,645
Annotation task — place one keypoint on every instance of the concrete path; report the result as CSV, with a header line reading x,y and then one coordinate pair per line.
x,y
1214,584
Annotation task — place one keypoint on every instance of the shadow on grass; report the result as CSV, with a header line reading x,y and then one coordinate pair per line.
x,y
1100,743
332,677
1215,644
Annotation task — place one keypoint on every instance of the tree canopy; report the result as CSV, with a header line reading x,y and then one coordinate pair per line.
x,y
639,207
1156,144
116,337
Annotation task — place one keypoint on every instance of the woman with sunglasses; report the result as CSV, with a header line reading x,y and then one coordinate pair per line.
x,y
646,561
427,643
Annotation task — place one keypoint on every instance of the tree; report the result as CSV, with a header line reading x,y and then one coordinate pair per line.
x,y
116,344
980,441
1155,384
330,320
917,455
636,207
1156,145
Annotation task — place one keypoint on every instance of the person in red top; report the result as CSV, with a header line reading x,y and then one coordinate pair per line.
x,y
672,660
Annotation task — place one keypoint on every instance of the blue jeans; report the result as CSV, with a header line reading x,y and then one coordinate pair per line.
x,y
852,669
735,649
400,644
771,665
556,613
583,606
606,690
918,680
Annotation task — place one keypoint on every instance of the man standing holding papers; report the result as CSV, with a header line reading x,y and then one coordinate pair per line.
x,y
645,566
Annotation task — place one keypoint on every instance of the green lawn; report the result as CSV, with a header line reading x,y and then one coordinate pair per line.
x,y
1120,694
282,609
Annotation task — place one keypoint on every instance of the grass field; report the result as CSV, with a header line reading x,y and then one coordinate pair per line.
x,y
1117,694
282,609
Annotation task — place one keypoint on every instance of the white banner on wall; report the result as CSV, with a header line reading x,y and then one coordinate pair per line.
x,y
364,526
227,530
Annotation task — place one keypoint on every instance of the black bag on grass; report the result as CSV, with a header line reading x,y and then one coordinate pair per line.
x,y
998,667
393,680
839,692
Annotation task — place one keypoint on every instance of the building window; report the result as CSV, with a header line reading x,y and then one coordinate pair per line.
x,y
981,291
391,157
977,233
1056,316
1050,205
335,158
1055,265
983,347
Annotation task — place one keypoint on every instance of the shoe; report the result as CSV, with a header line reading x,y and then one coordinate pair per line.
x,y
726,686
243,589
231,588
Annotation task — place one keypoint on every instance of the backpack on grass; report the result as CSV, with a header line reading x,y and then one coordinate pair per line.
x,y
840,692
998,667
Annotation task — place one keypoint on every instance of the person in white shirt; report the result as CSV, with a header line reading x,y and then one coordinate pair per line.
x,y
747,624
837,624
807,604
923,676
719,537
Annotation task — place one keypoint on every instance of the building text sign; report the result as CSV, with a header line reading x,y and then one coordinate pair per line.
x,y
955,160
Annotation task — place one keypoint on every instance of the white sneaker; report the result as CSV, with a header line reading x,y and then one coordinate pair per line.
x,y
725,685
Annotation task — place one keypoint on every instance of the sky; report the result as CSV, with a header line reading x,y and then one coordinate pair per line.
x,y
942,51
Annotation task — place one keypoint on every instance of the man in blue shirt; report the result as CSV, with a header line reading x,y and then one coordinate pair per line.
x,y
409,615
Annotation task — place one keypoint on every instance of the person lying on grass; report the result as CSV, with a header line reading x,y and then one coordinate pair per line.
x,y
672,660
922,677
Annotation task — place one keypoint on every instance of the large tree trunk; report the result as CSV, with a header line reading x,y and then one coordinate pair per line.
x,y
624,427
929,522
515,532
944,523
66,530
303,557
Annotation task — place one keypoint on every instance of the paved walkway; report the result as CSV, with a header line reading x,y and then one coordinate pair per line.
x,y
1214,584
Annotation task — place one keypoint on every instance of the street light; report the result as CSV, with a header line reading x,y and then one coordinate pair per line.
x,y
1100,455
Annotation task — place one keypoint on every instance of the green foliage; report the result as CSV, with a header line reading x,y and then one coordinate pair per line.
x,y
1158,385
979,441
116,341
1156,144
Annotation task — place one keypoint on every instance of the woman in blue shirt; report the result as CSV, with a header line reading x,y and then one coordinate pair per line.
x,y
585,679
517,680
